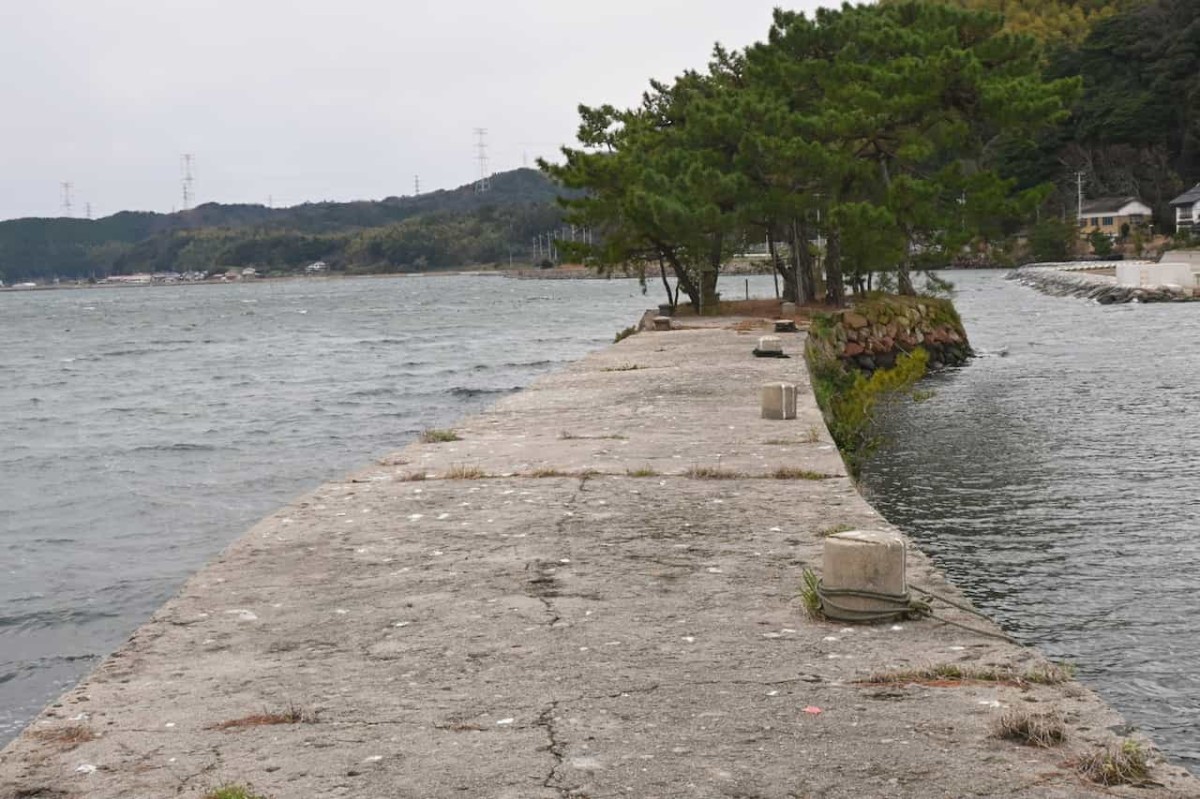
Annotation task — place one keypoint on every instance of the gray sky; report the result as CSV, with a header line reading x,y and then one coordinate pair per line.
x,y
317,99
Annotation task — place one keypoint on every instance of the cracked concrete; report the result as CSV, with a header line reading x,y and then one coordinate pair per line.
x,y
571,635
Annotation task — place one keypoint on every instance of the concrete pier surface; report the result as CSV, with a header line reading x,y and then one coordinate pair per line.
x,y
593,593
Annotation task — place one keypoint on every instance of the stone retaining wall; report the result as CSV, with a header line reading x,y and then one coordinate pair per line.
x,y
875,332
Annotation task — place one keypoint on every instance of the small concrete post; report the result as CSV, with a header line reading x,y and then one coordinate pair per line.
x,y
787,309
870,561
662,323
785,325
779,401
770,344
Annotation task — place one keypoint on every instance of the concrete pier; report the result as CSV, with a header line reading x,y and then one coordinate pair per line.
x,y
593,593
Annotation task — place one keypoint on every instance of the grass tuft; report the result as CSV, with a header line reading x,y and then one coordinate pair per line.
x,y
569,436
825,532
712,473
625,367
292,715
645,471
67,737
809,595
436,436
548,471
626,333
1043,730
791,473
1124,762
812,435
461,472
233,792
1047,674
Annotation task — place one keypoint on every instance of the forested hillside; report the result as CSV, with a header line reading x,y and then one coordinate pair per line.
x,y
437,230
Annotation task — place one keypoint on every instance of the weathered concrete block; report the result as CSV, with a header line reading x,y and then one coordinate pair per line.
x,y
770,344
785,325
867,561
779,401
662,323
787,309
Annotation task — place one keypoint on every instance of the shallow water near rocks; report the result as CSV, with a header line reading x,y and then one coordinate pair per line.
x,y
1054,479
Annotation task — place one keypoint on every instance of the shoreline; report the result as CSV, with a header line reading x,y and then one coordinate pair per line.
x,y
562,606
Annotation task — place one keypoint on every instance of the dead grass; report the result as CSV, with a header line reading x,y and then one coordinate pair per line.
x,y
1123,762
233,792
548,471
948,674
712,473
791,473
292,715
625,367
1042,730
812,435
436,436
67,737
645,471
825,532
462,472
569,436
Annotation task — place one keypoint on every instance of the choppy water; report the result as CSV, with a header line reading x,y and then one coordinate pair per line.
x,y
1056,479
142,430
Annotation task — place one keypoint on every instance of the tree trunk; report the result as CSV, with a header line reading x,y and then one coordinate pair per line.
x,y
791,292
774,261
805,267
904,279
684,282
673,299
835,290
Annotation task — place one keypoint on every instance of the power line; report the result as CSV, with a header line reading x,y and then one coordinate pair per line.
x,y
485,178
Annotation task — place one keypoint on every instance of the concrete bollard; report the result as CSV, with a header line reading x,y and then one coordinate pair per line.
x,y
863,576
785,325
787,309
662,323
778,401
770,344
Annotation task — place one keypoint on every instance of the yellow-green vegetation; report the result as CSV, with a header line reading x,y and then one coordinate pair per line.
x,y
626,333
1048,674
810,595
625,367
1122,763
834,530
548,471
792,473
436,436
1042,730
461,472
645,471
233,792
712,473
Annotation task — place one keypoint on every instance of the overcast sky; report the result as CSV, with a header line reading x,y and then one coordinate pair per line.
x,y
300,100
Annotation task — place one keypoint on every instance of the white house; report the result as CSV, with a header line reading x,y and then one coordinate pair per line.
x,y
1187,207
1110,214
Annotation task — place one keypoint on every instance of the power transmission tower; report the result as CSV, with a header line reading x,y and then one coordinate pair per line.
x,y
416,185
188,194
485,178
87,210
66,197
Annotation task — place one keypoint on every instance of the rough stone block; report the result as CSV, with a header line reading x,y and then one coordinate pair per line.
x,y
785,325
787,309
662,323
870,561
779,401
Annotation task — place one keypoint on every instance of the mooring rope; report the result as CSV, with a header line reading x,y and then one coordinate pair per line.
x,y
896,607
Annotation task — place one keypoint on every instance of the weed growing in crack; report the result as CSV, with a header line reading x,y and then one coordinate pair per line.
x,y
1124,762
1043,730
435,436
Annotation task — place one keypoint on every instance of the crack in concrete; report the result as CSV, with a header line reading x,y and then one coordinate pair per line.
x,y
556,747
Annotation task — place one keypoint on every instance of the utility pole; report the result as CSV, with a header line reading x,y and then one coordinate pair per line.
x,y
485,178
66,197
1079,194
188,194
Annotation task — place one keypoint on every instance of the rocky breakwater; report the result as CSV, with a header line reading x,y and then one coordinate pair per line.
x,y
1087,281
875,332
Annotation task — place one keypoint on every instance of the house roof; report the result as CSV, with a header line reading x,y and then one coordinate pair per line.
x,y
1188,197
1106,205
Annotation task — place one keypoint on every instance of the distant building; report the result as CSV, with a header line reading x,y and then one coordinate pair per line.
x,y
1187,208
316,267
1110,214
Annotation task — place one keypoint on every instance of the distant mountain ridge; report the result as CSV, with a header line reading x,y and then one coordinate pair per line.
x,y
214,235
